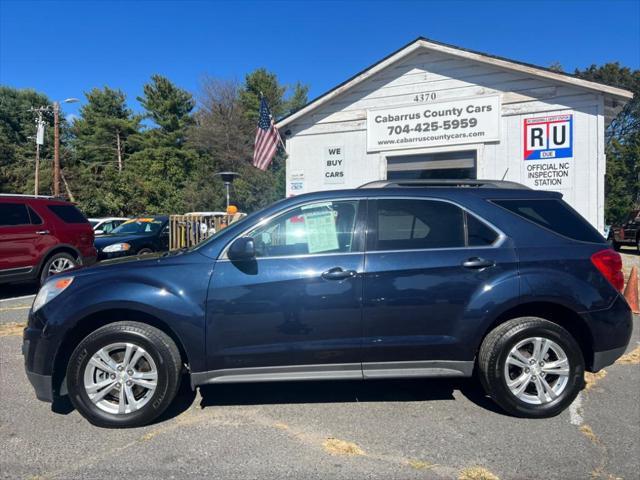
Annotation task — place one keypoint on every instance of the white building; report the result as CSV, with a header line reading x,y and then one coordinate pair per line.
x,y
436,111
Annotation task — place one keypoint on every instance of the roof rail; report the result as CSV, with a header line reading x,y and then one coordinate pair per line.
x,y
29,196
444,183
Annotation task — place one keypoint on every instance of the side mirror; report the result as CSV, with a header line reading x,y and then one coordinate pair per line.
x,y
242,248
98,232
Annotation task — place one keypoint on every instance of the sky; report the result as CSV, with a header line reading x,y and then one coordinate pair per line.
x,y
65,48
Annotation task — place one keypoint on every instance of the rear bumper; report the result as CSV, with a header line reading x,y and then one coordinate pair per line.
x,y
606,358
611,333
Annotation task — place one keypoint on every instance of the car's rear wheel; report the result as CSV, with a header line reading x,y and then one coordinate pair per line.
x,y
57,263
124,374
531,367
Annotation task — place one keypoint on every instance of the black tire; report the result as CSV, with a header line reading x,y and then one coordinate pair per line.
x,y
615,245
56,257
156,343
494,352
144,251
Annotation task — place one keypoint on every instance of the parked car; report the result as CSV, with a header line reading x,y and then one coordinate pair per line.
x,y
627,233
137,236
41,236
395,280
103,226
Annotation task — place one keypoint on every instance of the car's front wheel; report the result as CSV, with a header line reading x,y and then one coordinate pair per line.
x,y
124,374
58,263
531,367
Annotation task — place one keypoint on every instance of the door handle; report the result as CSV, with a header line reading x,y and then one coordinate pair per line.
x,y
477,263
43,232
338,273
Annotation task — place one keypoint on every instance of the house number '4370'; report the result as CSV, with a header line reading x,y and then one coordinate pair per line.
x,y
425,97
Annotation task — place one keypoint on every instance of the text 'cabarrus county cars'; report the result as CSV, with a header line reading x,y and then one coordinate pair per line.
x,y
393,280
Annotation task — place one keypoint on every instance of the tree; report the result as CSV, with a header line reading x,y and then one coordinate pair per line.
x,y
261,81
224,134
622,141
104,126
169,107
17,141
163,163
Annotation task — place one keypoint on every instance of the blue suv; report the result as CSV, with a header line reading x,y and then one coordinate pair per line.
x,y
404,279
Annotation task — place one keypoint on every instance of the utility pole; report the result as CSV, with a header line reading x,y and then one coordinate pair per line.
x,y
39,138
56,149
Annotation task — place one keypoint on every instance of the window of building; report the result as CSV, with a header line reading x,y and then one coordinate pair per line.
x,y
433,166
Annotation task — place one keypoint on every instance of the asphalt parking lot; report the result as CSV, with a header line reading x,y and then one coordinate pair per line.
x,y
419,429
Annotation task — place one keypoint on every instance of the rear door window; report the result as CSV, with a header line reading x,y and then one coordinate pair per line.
x,y
12,214
35,218
402,224
415,224
555,215
68,213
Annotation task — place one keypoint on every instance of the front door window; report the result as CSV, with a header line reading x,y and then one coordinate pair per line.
x,y
318,228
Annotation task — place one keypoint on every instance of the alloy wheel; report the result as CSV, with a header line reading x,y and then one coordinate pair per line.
x,y
120,378
60,265
537,370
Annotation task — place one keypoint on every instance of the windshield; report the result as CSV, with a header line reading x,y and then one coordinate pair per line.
x,y
140,226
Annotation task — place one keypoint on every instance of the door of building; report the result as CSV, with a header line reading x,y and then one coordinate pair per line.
x,y
433,166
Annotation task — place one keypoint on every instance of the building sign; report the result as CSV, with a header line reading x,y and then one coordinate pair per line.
x,y
334,165
548,152
471,120
548,137
296,183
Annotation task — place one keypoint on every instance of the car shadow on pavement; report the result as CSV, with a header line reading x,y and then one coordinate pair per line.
x,y
17,290
347,391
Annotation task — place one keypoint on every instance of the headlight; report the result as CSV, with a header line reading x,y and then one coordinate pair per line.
x,y
51,290
117,247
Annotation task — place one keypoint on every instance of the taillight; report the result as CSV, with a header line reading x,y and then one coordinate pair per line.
x,y
609,263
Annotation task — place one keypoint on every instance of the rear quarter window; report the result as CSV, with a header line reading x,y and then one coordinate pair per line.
x,y
554,215
68,213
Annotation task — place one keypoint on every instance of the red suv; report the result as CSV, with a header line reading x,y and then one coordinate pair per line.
x,y
40,236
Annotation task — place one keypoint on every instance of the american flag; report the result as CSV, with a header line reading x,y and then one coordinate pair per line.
x,y
267,138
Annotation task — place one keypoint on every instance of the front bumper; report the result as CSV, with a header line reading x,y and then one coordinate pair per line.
x,y
108,256
42,383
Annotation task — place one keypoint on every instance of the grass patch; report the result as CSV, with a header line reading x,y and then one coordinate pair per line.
x,y
590,379
420,465
11,329
477,473
631,358
335,446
